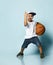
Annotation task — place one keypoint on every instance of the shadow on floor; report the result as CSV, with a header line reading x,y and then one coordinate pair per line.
x,y
35,60
21,60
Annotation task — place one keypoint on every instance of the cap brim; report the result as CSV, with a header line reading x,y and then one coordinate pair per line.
x,y
32,13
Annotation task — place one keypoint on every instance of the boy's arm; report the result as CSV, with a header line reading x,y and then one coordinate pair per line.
x,y
25,19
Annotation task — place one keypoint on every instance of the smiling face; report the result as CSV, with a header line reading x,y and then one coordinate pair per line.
x,y
29,17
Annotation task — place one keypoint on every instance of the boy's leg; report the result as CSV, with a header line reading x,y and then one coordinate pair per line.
x,y
21,52
36,41
25,44
40,48
41,51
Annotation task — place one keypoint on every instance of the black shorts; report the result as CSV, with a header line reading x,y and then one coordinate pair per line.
x,y
33,40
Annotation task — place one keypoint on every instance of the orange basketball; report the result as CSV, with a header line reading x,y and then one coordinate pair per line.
x,y
40,29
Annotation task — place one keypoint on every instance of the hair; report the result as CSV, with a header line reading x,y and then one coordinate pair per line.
x,y
33,13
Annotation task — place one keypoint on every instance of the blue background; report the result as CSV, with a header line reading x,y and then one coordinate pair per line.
x,y
12,31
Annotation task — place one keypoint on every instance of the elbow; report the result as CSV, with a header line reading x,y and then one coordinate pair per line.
x,y
25,25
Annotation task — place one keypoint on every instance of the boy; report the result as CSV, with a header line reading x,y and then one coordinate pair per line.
x,y
30,36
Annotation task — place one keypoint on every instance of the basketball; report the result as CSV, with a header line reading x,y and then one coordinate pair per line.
x,y
40,29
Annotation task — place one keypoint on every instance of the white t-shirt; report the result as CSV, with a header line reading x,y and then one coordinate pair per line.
x,y
30,30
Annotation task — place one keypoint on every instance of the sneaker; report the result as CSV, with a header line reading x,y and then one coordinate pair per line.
x,y
19,54
42,55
